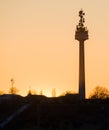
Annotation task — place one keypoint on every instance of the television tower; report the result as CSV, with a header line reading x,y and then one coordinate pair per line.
x,y
81,34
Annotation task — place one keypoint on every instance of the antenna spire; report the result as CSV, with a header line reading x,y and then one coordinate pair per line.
x,y
81,30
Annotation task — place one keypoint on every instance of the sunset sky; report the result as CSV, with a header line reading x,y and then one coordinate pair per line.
x,y
38,47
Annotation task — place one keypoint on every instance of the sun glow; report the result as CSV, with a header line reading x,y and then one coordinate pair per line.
x,y
47,93
36,92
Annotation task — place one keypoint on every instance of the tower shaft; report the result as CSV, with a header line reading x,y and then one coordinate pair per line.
x,y
81,71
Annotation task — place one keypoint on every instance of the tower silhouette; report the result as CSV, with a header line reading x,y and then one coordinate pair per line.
x,y
81,34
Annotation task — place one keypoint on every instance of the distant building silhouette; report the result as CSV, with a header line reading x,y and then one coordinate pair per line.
x,y
41,92
53,92
81,35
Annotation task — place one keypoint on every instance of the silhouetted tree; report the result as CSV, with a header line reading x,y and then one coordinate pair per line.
x,y
41,92
13,90
99,93
1,92
32,92
29,92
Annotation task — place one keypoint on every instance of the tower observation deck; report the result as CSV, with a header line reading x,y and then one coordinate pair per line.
x,y
81,34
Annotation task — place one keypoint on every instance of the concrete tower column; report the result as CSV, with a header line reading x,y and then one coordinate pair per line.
x,y
81,71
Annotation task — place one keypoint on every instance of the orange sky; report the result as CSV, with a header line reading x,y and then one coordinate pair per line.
x,y
38,48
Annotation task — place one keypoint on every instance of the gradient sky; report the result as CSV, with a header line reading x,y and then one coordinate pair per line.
x,y
38,48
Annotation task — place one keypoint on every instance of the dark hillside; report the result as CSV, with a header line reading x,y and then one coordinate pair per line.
x,y
61,113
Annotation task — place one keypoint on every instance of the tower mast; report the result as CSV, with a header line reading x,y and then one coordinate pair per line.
x,y
81,34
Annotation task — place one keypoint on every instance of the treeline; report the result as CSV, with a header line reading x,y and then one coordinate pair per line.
x,y
98,92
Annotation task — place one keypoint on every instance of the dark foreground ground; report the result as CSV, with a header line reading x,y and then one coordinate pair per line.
x,y
62,113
